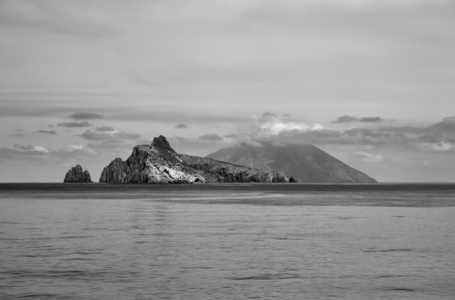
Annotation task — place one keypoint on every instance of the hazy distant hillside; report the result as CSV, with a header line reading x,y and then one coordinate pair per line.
x,y
306,163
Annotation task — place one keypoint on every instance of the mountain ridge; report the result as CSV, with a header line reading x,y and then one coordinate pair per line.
x,y
305,162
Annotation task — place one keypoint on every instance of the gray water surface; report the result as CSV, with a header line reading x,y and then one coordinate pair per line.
x,y
239,243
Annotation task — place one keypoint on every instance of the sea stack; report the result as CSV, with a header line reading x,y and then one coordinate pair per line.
x,y
77,174
159,163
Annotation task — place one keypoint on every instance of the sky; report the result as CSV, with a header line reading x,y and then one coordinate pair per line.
x,y
370,82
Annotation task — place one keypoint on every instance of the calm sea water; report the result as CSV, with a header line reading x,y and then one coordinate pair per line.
x,y
260,241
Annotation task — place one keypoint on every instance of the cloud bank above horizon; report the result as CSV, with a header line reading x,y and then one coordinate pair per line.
x,y
371,82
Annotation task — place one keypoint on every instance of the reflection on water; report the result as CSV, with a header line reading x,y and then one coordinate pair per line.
x,y
220,246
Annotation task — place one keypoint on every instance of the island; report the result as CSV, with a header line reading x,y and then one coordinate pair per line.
x,y
159,163
77,175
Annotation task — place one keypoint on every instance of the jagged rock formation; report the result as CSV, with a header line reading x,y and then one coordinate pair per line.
x,y
76,174
159,163
306,163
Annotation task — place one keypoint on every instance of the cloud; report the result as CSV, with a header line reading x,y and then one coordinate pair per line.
x,y
436,138
104,128
18,133
442,146
371,119
47,158
403,130
349,119
85,116
30,149
211,137
369,157
436,143
431,138
353,136
93,135
126,135
270,124
345,119
267,114
181,125
111,145
19,151
231,136
362,132
447,125
274,128
71,153
177,138
47,131
75,124
101,135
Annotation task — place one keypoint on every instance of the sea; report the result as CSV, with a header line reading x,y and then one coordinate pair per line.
x,y
227,241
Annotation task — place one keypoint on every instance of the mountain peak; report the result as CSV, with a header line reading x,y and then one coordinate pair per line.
x,y
160,143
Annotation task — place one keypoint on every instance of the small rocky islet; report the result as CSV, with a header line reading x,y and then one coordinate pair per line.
x,y
77,175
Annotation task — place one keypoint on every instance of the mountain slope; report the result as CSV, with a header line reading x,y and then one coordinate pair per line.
x,y
305,163
159,163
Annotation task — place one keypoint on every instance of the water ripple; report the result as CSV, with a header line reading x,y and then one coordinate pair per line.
x,y
295,243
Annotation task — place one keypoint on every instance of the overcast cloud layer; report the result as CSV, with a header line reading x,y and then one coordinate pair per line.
x,y
371,82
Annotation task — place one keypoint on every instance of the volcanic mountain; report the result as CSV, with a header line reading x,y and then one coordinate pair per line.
x,y
159,163
306,163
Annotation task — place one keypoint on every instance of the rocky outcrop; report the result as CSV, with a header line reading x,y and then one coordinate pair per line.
x,y
76,174
159,163
292,180
218,171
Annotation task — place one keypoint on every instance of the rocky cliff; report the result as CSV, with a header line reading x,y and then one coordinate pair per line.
x,y
159,163
218,171
306,163
76,174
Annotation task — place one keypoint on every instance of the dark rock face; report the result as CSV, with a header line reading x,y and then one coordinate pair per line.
x,y
76,174
306,163
159,163
115,172
218,171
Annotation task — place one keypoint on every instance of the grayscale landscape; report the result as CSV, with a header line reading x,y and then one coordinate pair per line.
x,y
244,149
